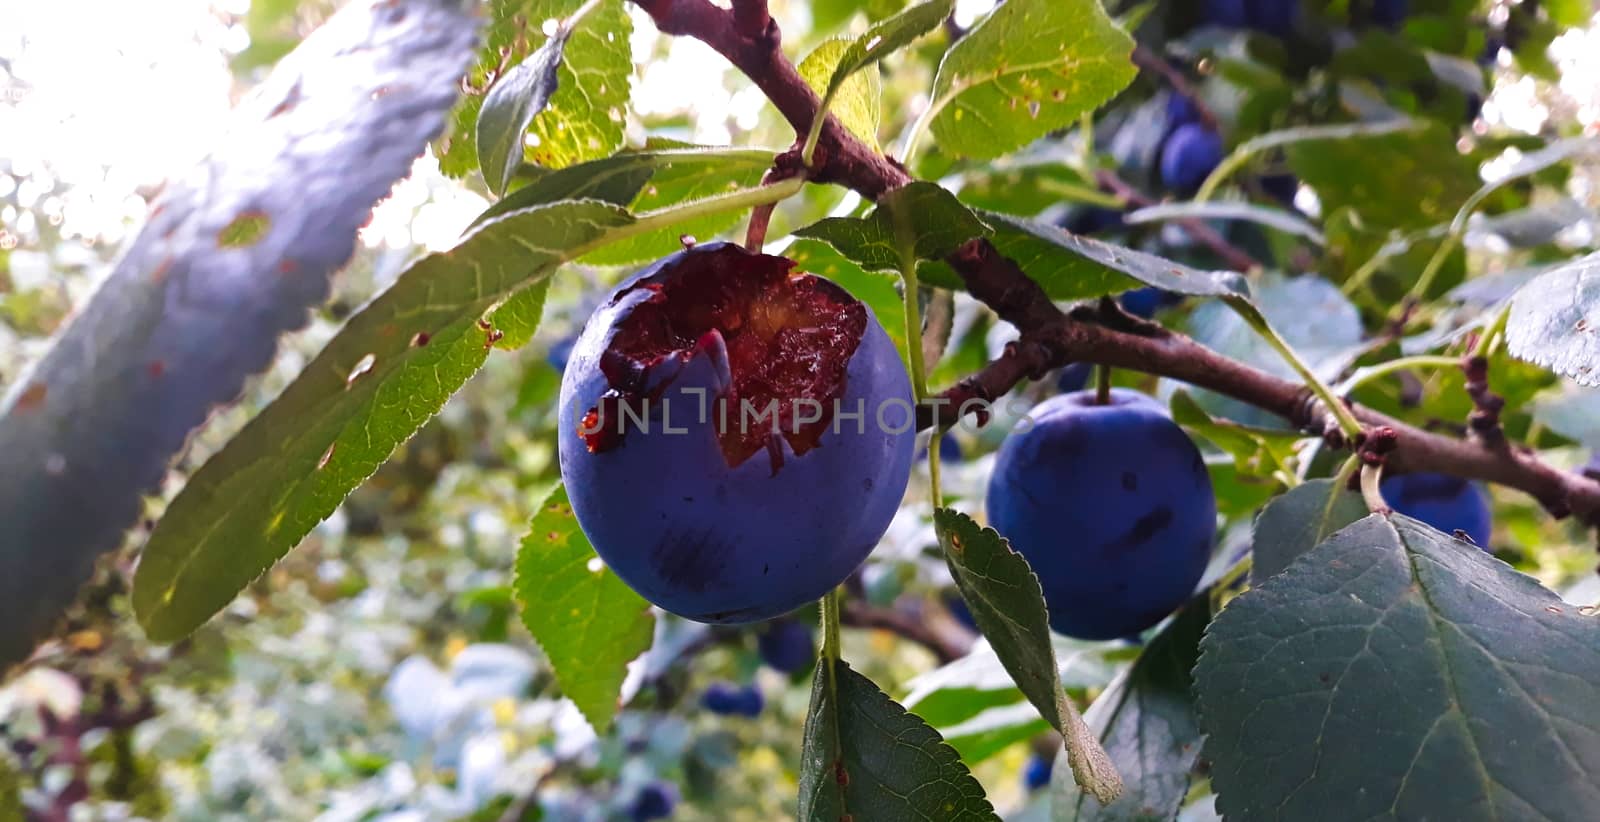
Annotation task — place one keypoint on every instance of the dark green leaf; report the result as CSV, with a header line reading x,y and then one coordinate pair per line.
x,y
589,622
1146,720
1073,267
386,372
1008,605
1031,67
1397,673
1293,524
920,216
865,756
1555,321
231,258
618,179
509,108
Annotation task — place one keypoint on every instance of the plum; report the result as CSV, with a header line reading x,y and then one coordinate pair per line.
x,y
1276,17
734,436
1442,501
1111,505
728,699
1227,13
654,801
1037,773
1074,377
785,645
1189,156
1390,13
1145,302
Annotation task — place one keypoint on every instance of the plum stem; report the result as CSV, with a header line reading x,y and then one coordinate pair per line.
x,y
1371,478
1102,384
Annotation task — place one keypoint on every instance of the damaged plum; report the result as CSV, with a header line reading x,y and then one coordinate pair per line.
x,y
735,435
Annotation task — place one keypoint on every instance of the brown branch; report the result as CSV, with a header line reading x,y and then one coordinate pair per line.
x,y
1235,258
1050,338
943,645
1149,61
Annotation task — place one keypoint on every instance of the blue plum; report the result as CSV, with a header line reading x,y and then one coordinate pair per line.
x,y
735,436
785,645
949,449
1275,17
1074,377
1145,302
655,801
1390,13
1181,110
1281,187
1037,773
728,699
1188,156
1111,505
1092,220
1445,502
1227,13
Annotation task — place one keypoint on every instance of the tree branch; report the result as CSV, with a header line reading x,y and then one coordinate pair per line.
x,y
1050,338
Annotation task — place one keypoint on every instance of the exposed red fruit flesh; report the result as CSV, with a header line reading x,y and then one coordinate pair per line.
x,y
789,338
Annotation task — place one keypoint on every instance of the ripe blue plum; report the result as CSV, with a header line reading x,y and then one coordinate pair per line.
x,y
1111,505
1037,773
1074,377
1188,156
785,645
1227,13
655,801
1092,220
735,436
1145,302
1445,502
1390,13
1275,17
728,699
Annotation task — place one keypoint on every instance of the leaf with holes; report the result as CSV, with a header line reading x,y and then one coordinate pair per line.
x,y
584,118
233,256
1008,605
1293,524
1029,68
589,622
510,107
920,216
388,370
1438,683
865,757
1146,720
1555,321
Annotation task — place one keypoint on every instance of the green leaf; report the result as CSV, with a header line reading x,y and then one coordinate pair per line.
x,y
388,370
994,730
617,179
509,108
1147,722
963,688
1555,321
232,256
864,756
1293,524
835,62
1008,605
10,793
1287,222
1073,267
682,175
1031,67
1404,177
589,623
857,100
1397,673
920,216
1257,451
1024,188
584,118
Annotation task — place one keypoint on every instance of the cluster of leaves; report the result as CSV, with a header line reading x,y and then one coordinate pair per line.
x,y
1418,658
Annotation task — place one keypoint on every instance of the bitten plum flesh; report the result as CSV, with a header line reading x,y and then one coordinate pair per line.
x,y
1112,507
682,485
1442,501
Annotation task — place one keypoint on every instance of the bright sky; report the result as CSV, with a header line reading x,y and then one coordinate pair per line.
x,y
90,114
